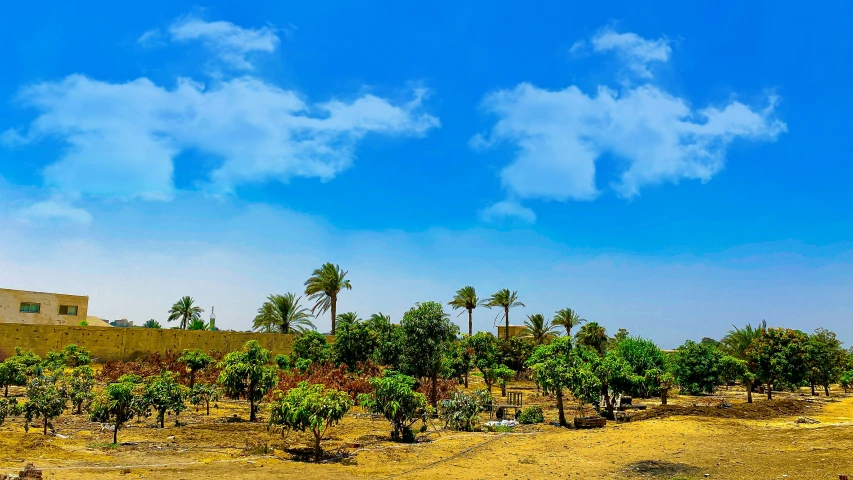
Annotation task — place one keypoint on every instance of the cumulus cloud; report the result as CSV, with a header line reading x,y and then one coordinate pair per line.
x,y
508,209
636,51
56,208
122,137
560,135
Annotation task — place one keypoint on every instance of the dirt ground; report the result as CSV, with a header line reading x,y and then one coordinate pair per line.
x,y
693,438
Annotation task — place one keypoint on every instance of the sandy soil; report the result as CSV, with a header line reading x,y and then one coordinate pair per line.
x,y
696,438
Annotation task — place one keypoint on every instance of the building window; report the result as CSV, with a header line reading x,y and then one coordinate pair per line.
x,y
68,310
28,307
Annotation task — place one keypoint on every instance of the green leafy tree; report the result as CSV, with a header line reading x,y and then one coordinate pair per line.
x,y
309,407
284,363
552,366
426,332
485,348
185,311
825,359
466,298
514,352
503,374
80,388
311,346
389,340
778,355
246,373
734,369
642,355
593,336
738,340
621,334
13,372
568,319
394,397
459,360
45,400
151,323
505,300
163,393
696,367
195,360
616,377
203,394
540,330
115,405
846,380
323,288
355,340
283,314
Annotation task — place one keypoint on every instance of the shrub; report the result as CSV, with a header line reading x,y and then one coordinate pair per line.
x,y
395,398
203,393
309,407
283,362
312,346
163,393
80,385
245,373
696,367
531,415
116,404
461,411
45,400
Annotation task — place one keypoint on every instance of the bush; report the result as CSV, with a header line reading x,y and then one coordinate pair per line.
x,y
531,415
394,398
311,346
309,407
354,341
696,367
283,362
461,411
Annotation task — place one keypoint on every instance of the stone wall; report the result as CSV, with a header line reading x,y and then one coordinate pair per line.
x,y
110,344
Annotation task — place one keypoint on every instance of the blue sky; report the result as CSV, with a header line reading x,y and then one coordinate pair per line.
x,y
665,168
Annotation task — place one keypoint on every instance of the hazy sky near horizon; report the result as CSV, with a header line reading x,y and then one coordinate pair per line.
x,y
665,168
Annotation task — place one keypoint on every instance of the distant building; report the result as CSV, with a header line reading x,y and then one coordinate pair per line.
x,y
514,330
122,323
41,308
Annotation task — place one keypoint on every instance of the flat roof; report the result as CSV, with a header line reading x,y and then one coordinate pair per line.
x,y
43,293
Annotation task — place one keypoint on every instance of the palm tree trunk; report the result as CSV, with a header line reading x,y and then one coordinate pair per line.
x,y
470,323
115,434
334,312
561,413
506,316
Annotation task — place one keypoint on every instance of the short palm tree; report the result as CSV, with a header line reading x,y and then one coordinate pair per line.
x,y
737,341
282,314
539,329
323,288
504,299
568,319
594,336
349,317
466,297
185,311
197,324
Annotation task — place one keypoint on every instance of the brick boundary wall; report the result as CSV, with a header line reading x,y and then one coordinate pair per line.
x,y
111,344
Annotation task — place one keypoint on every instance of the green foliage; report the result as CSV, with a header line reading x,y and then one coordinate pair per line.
x,y
79,388
116,404
203,394
531,415
540,330
389,341
846,380
151,324
163,393
323,288
426,332
70,356
282,314
45,400
461,411
83,323
593,336
514,352
283,362
505,300
195,360
185,311
13,372
312,346
485,349
643,356
459,360
732,370
568,319
355,341
696,367
738,340
394,397
824,358
466,298
309,407
197,324
778,356
245,373
8,408
553,367
501,375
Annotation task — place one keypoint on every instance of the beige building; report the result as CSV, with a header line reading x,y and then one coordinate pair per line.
x,y
40,308
514,330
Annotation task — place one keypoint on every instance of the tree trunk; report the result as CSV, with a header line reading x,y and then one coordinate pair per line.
x,y
470,323
6,393
45,425
466,380
812,385
115,433
663,392
318,453
826,389
433,394
769,391
506,316
162,417
207,404
562,415
503,389
251,408
334,313
748,392
192,378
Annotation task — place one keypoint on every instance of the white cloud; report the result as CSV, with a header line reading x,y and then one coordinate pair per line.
x,y
635,51
122,137
55,208
560,135
508,209
233,44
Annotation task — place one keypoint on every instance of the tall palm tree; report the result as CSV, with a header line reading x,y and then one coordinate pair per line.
x,y
466,297
349,317
539,329
323,288
737,341
282,314
504,299
593,335
184,310
568,319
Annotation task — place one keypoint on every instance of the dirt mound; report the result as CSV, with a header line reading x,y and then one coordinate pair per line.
x,y
28,444
749,411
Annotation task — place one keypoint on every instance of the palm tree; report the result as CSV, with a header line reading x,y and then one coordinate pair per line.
x,y
184,310
349,317
466,297
568,319
282,314
593,335
151,324
505,299
737,341
539,329
323,288
197,324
